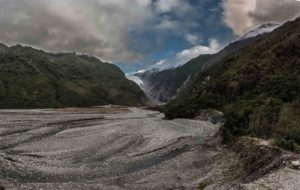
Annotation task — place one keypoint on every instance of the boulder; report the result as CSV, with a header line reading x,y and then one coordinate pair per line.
x,y
296,164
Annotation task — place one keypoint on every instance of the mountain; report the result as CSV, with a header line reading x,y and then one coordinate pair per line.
x,y
265,28
135,79
257,88
3,47
162,86
31,78
165,85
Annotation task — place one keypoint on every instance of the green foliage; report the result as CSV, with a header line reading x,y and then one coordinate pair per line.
x,y
287,132
237,120
284,87
31,78
289,144
256,88
171,81
265,117
2,90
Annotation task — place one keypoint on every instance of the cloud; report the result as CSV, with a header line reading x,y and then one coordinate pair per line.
x,y
243,15
195,51
104,28
192,39
90,26
160,62
164,6
186,55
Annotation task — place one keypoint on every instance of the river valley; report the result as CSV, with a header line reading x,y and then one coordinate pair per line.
x,y
101,148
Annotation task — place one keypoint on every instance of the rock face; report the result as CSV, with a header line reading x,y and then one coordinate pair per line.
x,y
258,158
31,78
248,164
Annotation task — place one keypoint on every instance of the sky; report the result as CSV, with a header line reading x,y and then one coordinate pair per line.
x,y
137,34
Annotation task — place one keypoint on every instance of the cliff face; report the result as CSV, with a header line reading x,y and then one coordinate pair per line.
x,y
31,78
250,164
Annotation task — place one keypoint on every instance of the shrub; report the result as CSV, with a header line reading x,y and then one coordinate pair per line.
x,y
236,120
287,132
265,117
251,117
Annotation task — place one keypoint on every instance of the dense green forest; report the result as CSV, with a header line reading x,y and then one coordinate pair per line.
x,y
31,78
257,88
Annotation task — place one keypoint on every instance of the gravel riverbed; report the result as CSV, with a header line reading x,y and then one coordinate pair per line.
x,y
102,148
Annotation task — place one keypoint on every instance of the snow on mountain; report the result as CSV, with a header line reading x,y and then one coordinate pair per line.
x,y
171,64
135,79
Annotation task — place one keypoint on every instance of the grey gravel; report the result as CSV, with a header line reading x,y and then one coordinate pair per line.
x,y
102,148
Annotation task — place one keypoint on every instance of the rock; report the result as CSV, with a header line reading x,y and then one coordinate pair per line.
x,y
258,159
296,164
211,115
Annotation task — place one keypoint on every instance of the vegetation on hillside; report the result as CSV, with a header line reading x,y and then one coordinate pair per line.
x,y
163,85
31,78
257,88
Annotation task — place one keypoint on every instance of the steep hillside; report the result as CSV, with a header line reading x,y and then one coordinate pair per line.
x,y
265,28
31,78
258,88
165,85
3,47
162,86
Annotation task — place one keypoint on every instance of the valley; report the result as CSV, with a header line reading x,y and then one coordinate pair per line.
x,y
150,95
101,148
113,147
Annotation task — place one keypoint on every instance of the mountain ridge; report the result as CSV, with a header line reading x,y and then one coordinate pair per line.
x,y
165,85
257,87
32,78
260,30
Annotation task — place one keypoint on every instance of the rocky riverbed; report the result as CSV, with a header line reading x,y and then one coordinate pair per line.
x,y
101,148
130,148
